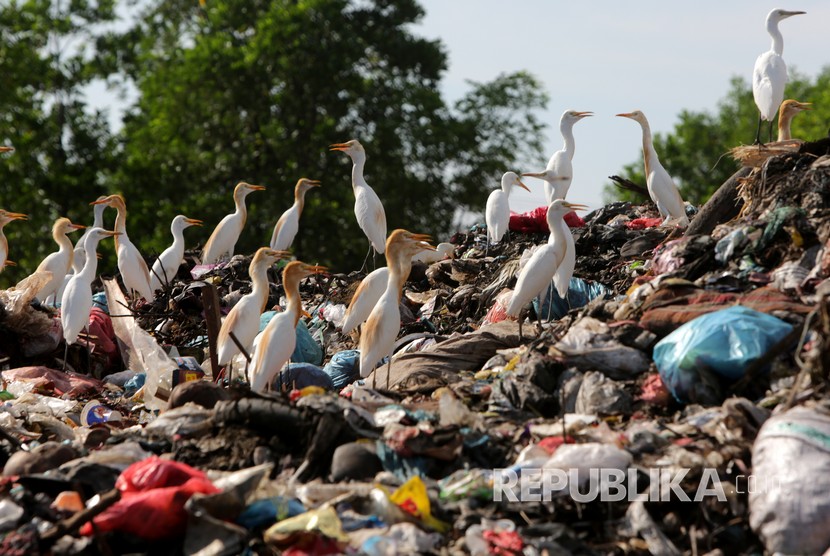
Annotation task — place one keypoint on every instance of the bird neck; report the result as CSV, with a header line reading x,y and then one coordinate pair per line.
x,y
299,199
239,205
98,216
358,163
649,154
91,263
399,267
64,243
557,234
777,38
567,130
178,237
784,123
294,306
259,280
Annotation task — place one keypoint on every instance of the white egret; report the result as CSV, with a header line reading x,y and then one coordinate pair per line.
x,y
442,251
769,77
497,212
278,340
367,206
789,108
661,188
289,223
131,265
76,301
243,320
224,237
5,218
537,274
377,338
560,164
167,264
60,262
79,257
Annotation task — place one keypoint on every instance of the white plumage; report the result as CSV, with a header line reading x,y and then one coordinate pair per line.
x,y
60,262
224,237
167,264
497,211
365,298
559,171
289,223
5,218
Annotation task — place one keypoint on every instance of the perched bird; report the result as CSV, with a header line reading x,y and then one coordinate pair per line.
x,y
77,297
224,237
243,320
661,188
167,265
289,223
60,262
5,218
537,274
770,73
497,212
560,164
278,340
79,256
367,206
789,108
378,335
131,265
442,251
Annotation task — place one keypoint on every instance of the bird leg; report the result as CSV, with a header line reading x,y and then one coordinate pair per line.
x,y
758,133
388,370
770,131
65,355
366,260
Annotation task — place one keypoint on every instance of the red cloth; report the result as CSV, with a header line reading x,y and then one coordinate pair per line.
x,y
504,543
640,223
103,335
71,384
536,221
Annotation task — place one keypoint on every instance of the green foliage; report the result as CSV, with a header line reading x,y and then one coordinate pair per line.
x,y
696,153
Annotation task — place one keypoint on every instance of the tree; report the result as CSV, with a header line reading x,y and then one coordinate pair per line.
x,y
63,150
248,90
696,153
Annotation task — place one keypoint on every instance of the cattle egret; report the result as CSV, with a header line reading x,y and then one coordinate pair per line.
x,y
79,257
367,206
224,237
537,274
560,164
289,223
497,212
789,108
76,301
377,338
60,262
442,251
131,265
278,340
770,73
5,218
243,320
167,265
661,188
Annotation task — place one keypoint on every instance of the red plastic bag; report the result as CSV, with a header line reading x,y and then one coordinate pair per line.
x,y
536,221
640,223
154,492
103,335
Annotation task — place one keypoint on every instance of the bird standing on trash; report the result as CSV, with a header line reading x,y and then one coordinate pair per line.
x,y
559,171
769,76
131,265
243,320
278,340
224,237
367,206
76,301
289,223
497,211
60,262
537,274
377,338
79,256
167,265
661,188
789,108
442,251
5,218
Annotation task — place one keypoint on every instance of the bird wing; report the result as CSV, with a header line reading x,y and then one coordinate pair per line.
x,y
565,270
53,263
223,238
76,304
165,268
497,215
134,271
768,80
273,351
665,193
370,216
535,276
285,230
243,321
365,298
377,337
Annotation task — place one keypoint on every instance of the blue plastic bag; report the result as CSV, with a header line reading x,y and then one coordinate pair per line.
x,y
343,368
724,342
300,375
307,350
579,294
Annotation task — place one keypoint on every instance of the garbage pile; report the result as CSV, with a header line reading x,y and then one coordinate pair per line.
x,y
673,402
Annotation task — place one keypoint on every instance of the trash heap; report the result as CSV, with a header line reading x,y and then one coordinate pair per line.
x,y
674,402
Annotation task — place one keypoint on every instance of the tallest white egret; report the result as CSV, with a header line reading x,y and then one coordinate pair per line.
x,y
770,73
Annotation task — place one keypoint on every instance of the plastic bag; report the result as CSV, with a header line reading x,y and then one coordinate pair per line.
x,y
301,375
536,221
343,368
412,498
307,350
580,293
724,342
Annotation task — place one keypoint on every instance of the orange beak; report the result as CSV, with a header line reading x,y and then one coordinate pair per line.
x,y
77,227
626,115
103,201
16,216
520,184
584,114
339,147
255,187
314,183
540,175
6,149
574,206
193,221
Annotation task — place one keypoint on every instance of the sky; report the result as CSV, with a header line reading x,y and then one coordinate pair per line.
x,y
609,57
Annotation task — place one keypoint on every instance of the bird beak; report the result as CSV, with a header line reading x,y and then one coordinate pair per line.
x,y
256,187
314,183
520,184
77,227
193,221
574,206
804,105
281,254
540,175
16,216
626,115
785,14
111,233
103,201
6,149
584,114
339,147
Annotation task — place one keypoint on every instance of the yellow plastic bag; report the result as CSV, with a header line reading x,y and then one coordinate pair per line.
x,y
412,498
323,521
